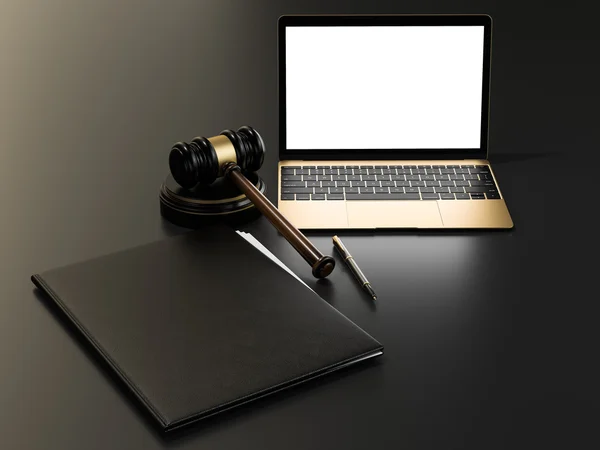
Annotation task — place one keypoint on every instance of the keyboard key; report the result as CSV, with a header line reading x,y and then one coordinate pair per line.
x,y
367,190
317,197
382,190
427,178
373,183
331,171
442,189
492,195
398,177
388,171
426,190
410,167
323,190
338,177
463,196
411,190
403,171
359,183
302,172
324,177
482,183
383,197
309,167
351,190
478,196
461,171
388,183
366,167
287,171
337,167
353,177
457,177
457,189
336,190
328,183
424,167
361,172
345,171
288,196
445,196
291,177
292,167
433,171
313,184
342,183
447,171
413,178
403,183
418,171
433,183
447,183
383,177
309,177
397,190
420,183
452,166
467,166
324,167
470,177
335,196
461,183
302,196
293,184
475,190
430,196
296,190
368,177
316,171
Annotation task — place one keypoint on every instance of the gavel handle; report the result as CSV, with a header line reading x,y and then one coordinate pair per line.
x,y
321,265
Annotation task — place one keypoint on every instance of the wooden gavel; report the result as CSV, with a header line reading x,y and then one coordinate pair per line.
x,y
228,154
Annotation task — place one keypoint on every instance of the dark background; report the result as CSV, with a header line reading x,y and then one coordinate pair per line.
x,y
490,337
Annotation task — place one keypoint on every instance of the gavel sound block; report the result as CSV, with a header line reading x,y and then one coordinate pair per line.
x,y
230,155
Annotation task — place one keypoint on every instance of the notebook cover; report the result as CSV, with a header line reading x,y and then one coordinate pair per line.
x,y
202,322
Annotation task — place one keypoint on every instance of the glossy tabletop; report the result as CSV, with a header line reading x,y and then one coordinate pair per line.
x,y
489,336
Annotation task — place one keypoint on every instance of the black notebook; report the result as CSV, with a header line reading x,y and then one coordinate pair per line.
x,y
203,322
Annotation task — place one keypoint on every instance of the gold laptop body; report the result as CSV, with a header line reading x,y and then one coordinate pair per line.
x,y
476,212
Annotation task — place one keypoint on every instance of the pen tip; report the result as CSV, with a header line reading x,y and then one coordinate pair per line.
x,y
374,298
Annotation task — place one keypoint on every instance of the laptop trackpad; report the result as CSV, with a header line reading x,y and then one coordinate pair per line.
x,y
393,214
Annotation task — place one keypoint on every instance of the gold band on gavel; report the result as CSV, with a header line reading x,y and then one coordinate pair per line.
x,y
225,151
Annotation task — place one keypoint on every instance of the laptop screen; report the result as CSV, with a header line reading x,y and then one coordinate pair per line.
x,y
384,87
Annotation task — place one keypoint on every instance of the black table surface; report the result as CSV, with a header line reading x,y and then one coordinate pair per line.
x,y
489,336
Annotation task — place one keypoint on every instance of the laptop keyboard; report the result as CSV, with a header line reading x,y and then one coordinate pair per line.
x,y
395,182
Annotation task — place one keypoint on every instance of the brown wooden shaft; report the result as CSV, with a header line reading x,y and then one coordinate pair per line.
x,y
308,251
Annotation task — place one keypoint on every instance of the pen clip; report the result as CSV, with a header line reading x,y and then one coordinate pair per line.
x,y
339,245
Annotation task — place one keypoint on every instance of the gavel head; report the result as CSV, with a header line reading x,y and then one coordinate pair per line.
x,y
202,160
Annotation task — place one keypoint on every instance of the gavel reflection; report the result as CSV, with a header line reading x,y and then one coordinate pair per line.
x,y
228,154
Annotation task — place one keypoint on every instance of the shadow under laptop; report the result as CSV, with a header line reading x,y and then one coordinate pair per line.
x,y
207,425
411,232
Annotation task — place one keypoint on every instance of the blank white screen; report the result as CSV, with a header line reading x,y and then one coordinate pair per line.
x,y
389,87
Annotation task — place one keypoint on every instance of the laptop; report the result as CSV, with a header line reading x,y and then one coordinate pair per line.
x,y
384,122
